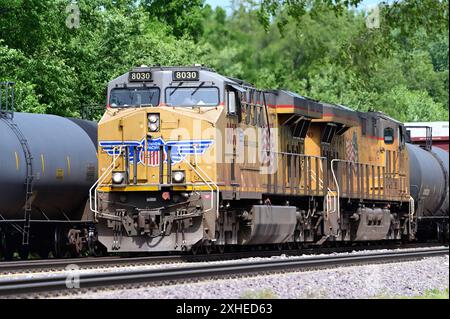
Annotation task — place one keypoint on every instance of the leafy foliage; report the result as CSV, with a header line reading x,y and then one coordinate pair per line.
x,y
185,17
59,69
327,52
320,48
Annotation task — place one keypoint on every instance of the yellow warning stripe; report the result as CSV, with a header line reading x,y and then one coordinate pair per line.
x,y
43,164
68,166
146,188
17,161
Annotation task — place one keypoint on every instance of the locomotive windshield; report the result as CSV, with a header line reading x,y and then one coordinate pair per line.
x,y
128,97
192,96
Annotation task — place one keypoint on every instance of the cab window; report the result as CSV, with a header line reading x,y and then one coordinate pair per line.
x,y
192,96
129,97
388,135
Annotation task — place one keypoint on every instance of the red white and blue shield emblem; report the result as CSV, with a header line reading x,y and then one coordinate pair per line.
x,y
151,156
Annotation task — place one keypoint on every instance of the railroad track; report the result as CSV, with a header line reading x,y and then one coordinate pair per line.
x,y
41,265
91,262
17,287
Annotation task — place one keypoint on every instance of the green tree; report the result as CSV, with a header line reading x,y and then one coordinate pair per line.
x,y
183,16
332,57
63,69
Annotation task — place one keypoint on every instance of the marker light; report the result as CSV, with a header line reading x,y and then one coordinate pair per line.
x,y
178,176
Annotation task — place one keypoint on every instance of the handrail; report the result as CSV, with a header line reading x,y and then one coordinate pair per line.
x,y
203,179
314,175
311,171
335,201
211,181
93,204
296,154
336,206
412,209
349,162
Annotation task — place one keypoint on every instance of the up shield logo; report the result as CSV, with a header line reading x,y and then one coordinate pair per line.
x,y
151,156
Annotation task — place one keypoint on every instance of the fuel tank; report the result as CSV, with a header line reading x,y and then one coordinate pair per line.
x,y
63,165
429,180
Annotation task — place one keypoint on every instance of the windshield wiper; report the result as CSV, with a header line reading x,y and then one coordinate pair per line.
x,y
151,97
171,93
198,87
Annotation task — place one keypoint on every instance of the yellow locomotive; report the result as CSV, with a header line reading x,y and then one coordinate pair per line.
x,y
190,159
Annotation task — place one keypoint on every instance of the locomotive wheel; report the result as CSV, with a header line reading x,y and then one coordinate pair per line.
x,y
75,242
92,247
58,250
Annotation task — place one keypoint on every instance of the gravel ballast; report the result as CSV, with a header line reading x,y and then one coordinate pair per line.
x,y
409,278
177,264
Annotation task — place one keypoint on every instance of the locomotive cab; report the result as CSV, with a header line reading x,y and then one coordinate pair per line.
x,y
157,145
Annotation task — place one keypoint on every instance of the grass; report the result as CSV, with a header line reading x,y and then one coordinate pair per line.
x,y
433,294
261,294
429,294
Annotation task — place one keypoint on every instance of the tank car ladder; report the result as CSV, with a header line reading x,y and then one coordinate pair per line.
x,y
8,119
28,182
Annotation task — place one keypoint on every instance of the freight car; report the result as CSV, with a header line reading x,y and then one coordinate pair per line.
x,y
428,134
192,160
47,165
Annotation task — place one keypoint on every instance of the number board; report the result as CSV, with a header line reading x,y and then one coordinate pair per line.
x,y
140,76
185,76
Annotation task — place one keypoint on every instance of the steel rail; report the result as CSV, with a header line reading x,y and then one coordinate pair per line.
x,y
28,266
87,280
32,265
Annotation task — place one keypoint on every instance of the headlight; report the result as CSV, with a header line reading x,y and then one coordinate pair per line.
x,y
153,127
118,177
153,118
178,176
153,122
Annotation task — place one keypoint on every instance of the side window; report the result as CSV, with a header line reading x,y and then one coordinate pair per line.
x,y
364,126
402,136
249,108
262,111
255,109
388,135
374,127
234,104
261,121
